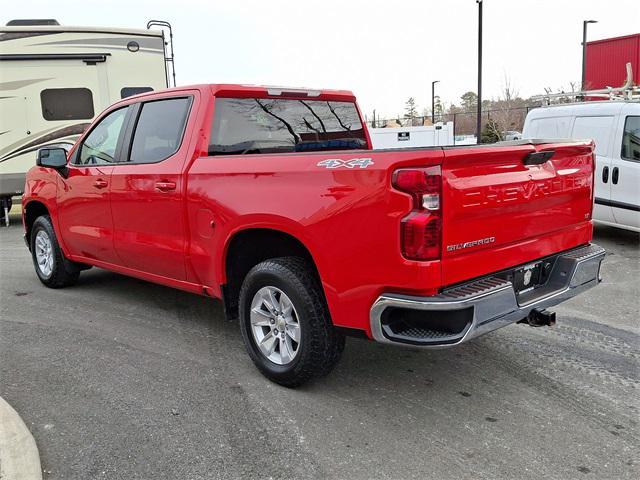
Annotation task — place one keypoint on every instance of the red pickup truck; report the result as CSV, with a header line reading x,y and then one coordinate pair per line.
x,y
272,200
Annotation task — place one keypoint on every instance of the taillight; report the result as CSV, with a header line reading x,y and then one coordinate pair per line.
x,y
421,230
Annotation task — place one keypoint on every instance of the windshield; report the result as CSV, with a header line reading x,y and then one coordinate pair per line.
x,y
257,125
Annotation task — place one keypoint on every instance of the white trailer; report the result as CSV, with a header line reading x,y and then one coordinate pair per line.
x,y
411,137
55,79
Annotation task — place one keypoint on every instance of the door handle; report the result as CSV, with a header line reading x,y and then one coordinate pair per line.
x,y
605,174
614,175
165,186
99,183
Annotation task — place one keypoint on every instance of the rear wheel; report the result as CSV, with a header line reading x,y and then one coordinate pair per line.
x,y
285,322
52,268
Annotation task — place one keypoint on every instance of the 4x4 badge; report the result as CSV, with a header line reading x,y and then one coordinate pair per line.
x,y
353,163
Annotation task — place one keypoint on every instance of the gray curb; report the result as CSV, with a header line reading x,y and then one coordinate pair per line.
x,y
19,458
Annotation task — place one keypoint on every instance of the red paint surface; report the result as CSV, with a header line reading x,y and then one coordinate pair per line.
x,y
348,219
607,59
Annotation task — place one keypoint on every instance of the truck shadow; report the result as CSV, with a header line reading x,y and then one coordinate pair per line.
x,y
367,368
617,235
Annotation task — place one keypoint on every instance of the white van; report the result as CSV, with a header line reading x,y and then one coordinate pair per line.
x,y
615,128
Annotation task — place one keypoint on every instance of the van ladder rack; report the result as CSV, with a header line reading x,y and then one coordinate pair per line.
x,y
628,91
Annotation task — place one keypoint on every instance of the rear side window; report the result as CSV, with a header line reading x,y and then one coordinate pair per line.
x,y
631,139
129,91
159,130
598,129
67,104
258,125
549,127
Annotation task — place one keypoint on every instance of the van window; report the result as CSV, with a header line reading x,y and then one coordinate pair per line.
x,y
129,91
631,139
262,125
598,129
67,104
159,130
550,127
99,148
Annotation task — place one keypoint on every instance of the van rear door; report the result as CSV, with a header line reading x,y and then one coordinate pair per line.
x,y
505,205
600,129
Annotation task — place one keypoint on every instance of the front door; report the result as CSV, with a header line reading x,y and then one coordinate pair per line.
x,y
147,198
625,172
84,209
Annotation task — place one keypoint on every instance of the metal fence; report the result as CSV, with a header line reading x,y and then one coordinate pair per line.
x,y
464,123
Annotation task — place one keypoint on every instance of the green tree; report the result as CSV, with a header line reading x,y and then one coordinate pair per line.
x,y
469,101
438,109
410,110
491,132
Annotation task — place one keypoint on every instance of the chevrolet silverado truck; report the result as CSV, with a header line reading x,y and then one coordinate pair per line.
x,y
272,200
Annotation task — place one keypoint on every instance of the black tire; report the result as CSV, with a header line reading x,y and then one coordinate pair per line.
x,y
320,345
63,272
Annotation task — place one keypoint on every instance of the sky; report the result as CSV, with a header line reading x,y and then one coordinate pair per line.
x,y
383,51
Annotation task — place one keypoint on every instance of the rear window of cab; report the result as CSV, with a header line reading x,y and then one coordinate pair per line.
x,y
264,125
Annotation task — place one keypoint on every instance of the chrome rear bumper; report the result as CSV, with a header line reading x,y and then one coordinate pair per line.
x,y
480,306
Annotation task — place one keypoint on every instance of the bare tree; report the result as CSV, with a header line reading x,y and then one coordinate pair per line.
x,y
507,112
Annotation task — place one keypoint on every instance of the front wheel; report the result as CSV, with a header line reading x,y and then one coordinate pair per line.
x,y
285,322
48,259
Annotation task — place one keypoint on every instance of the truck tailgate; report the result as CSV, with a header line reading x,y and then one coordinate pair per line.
x,y
507,205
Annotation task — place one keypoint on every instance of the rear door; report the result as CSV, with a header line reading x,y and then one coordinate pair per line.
x,y
499,211
625,171
147,188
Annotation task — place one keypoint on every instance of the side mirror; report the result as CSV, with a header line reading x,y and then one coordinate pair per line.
x,y
52,157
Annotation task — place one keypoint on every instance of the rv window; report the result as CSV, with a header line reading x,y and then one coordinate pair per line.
x,y
129,91
257,125
159,130
99,148
67,104
631,139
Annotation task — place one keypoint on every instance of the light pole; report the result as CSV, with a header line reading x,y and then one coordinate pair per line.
x,y
479,112
584,49
433,101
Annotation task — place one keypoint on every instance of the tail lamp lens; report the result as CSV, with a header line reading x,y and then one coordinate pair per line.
x,y
421,230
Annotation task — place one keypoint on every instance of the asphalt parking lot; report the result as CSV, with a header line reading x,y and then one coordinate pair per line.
x,y
118,378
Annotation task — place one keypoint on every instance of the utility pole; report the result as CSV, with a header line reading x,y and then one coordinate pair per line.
x,y
479,112
584,50
433,101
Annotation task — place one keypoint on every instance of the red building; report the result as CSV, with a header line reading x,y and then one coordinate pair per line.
x,y
606,60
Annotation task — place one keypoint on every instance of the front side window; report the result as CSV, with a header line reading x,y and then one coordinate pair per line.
x,y
258,125
67,104
631,139
159,130
99,148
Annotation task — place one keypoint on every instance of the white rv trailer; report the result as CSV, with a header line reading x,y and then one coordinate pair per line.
x,y
55,79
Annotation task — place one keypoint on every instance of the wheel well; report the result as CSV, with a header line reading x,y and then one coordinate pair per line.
x,y
32,211
250,247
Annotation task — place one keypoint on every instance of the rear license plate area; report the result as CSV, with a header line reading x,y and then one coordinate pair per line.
x,y
528,277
